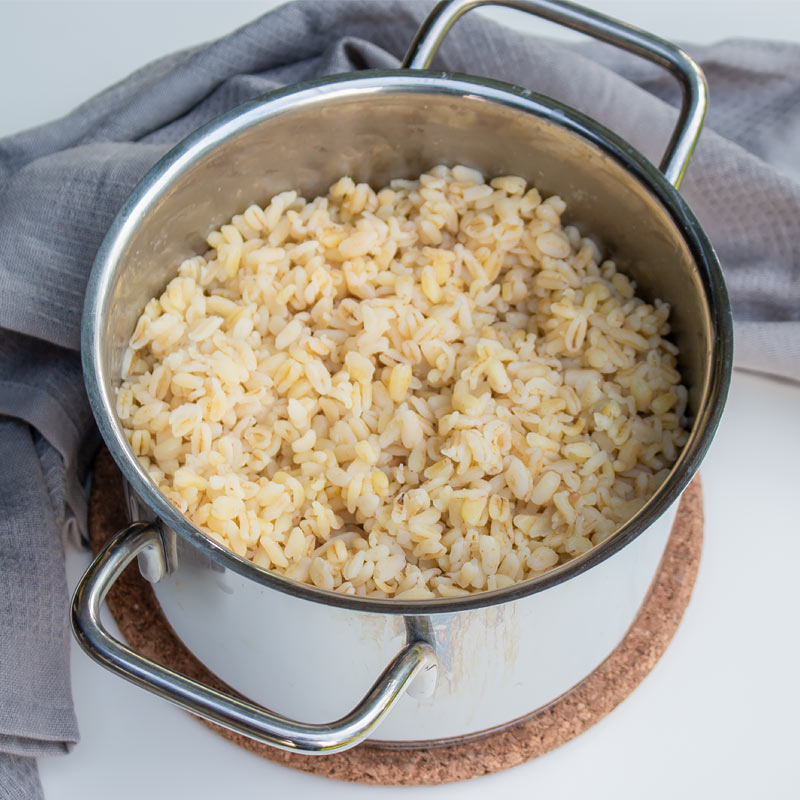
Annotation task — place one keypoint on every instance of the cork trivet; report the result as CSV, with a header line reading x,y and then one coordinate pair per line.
x,y
134,607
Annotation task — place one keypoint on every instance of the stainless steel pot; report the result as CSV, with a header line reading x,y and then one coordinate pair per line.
x,y
469,664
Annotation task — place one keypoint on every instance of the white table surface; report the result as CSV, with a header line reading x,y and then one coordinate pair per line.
x,y
718,715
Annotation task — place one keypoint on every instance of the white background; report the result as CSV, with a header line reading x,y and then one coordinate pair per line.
x,y
717,717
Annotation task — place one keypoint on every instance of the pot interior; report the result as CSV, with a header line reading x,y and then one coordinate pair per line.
x,y
399,124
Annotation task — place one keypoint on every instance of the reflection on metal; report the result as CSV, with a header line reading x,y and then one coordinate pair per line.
x,y
419,629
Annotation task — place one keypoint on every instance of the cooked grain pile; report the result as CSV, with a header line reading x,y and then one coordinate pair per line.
x,y
424,391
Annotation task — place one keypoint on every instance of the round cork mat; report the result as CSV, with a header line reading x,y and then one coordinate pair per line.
x,y
136,610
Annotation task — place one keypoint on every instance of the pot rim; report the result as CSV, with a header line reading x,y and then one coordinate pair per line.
x,y
204,139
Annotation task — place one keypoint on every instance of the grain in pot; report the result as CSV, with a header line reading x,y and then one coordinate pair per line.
x,y
424,391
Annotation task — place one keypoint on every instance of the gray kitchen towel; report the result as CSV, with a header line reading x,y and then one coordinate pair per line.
x,y
62,183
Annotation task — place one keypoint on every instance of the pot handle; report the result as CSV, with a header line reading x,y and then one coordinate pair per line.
x,y
694,92
230,712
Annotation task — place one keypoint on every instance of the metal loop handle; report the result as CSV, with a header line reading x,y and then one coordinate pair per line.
x,y
692,81
237,715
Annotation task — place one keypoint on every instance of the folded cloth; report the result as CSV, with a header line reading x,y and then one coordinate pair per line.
x,y
62,183
19,779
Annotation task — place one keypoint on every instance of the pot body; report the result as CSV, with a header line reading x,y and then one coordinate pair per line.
x,y
496,664
308,653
